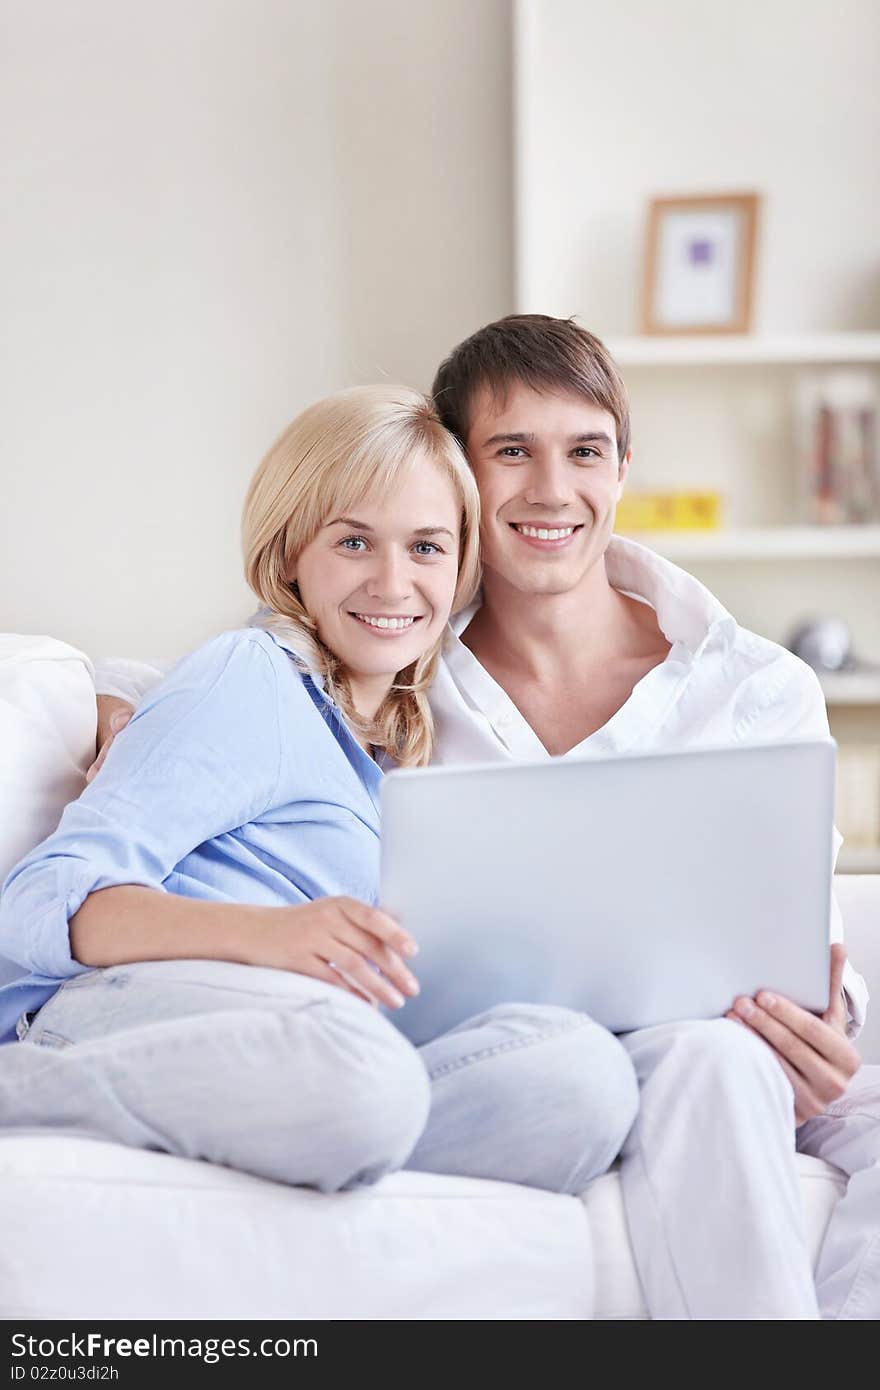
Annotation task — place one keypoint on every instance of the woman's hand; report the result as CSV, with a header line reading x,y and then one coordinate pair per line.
x,y
342,941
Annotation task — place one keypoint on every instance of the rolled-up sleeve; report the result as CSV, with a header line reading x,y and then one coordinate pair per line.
x,y
200,757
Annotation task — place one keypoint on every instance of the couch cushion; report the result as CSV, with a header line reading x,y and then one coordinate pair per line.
x,y
47,740
94,1230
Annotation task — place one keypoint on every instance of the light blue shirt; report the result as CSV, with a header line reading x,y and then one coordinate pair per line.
x,y
237,780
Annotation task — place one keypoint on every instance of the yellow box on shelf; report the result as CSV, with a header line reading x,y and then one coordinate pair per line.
x,y
668,511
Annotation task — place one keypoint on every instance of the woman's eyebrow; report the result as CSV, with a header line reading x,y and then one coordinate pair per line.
x,y
362,526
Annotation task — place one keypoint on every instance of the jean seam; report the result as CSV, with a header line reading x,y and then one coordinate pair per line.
x,y
509,1045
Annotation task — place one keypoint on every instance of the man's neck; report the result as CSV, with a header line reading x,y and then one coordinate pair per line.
x,y
548,636
569,661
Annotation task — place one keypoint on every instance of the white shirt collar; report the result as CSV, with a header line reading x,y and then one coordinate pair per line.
x,y
686,610
689,616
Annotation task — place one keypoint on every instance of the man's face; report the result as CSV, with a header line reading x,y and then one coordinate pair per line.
x,y
549,477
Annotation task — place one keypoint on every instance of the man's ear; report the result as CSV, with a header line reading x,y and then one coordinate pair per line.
x,y
622,471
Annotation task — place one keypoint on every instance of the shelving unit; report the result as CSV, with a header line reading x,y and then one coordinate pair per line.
x,y
767,543
858,861
715,414
747,349
852,688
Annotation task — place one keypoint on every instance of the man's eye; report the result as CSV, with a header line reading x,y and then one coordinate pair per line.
x,y
511,451
353,542
427,548
585,452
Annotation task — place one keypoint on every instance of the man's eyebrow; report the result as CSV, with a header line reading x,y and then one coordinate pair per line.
x,y
509,439
362,526
593,437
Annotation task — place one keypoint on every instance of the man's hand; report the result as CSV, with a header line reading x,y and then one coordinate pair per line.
x,y
113,715
815,1053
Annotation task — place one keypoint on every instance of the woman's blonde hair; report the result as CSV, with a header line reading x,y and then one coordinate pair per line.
x,y
358,443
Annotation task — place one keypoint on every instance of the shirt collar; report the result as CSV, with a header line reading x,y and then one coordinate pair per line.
x,y
686,611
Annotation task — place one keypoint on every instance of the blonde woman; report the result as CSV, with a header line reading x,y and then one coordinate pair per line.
x,y
199,935
200,931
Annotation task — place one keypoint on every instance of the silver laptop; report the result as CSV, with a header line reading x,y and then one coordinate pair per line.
x,y
639,888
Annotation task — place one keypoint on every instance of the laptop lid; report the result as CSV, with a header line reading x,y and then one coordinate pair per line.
x,y
638,889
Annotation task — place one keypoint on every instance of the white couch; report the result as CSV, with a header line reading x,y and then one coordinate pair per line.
x,y
94,1230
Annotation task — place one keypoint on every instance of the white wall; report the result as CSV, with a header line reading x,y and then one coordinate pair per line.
x,y
619,102
424,131
215,211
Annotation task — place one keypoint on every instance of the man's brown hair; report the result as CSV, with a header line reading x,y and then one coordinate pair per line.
x,y
544,353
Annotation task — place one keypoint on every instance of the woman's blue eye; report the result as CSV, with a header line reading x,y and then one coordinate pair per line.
x,y
353,542
428,548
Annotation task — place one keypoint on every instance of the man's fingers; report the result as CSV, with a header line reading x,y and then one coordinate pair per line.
x,y
108,728
836,1010
769,1010
806,1104
826,1072
97,764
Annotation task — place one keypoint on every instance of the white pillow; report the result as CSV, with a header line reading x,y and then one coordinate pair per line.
x,y
47,740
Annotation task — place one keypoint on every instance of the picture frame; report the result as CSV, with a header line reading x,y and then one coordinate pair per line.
x,y
700,256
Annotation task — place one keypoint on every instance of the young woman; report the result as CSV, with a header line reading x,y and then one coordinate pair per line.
x,y
204,957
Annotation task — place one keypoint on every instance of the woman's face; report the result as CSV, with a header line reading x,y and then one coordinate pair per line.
x,y
379,580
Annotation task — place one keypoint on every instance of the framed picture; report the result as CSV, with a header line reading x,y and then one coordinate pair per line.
x,y
700,264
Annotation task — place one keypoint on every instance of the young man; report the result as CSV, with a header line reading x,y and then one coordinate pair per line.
x,y
585,644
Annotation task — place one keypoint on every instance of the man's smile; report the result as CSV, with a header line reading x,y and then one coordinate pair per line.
x,y
547,537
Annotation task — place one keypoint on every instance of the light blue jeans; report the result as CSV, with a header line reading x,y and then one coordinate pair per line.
x,y
300,1082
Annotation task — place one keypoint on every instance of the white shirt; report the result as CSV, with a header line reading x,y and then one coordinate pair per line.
x,y
719,684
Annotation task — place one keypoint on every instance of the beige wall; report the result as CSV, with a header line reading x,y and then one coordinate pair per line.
x,y
617,103
215,211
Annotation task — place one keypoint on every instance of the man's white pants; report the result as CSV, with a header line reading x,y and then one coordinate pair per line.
x,y
711,1186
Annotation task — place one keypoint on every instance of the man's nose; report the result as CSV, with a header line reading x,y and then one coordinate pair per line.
x,y
549,485
389,578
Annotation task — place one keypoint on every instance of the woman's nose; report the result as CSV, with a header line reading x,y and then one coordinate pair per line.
x,y
389,578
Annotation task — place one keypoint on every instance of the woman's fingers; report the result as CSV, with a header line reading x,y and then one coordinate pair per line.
x,y
382,957
378,924
352,965
325,970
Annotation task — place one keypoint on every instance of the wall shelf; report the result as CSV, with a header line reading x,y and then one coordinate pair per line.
x,y
766,543
851,687
746,350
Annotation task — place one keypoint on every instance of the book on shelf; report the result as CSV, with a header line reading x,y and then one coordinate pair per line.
x,y
836,423
668,511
